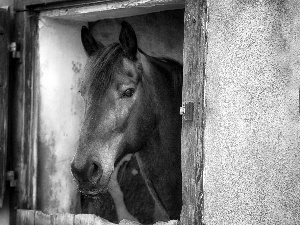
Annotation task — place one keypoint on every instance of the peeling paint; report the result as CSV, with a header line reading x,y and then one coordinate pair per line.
x,y
60,114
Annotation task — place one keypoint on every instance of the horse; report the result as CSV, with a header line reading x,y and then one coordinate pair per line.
x,y
132,103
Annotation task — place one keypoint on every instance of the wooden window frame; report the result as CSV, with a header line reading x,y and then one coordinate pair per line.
x,y
194,57
4,98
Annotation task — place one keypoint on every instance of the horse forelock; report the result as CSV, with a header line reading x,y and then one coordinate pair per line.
x,y
99,71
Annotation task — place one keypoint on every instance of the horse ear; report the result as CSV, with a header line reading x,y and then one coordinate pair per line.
x,y
89,43
128,40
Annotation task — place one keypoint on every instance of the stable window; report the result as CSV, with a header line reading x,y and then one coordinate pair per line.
x,y
60,59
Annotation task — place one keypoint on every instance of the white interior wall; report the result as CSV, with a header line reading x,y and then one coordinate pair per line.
x,y
60,112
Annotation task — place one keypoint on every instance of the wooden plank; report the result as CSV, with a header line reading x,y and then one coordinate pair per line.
x,y
128,222
22,4
90,219
84,219
111,9
24,106
63,4
25,217
4,70
194,55
63,219
17,124
31,105
42,219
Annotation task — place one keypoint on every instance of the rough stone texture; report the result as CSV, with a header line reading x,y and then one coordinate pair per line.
x,y
252,134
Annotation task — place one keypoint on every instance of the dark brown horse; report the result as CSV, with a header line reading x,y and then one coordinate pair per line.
x,y
132,107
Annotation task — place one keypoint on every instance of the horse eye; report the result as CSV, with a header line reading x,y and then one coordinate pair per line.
x,y
128,93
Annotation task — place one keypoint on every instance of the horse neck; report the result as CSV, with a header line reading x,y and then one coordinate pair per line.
x,y
162,165
163,146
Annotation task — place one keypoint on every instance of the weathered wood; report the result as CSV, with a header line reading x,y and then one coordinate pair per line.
x,y
31,217
4,56
22,4
25,217
24,126
129,222
42,219
111,9
63,219
171,222
84,219
90,219
192,131
31,105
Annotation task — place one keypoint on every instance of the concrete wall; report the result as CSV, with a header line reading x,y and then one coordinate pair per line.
x,y
61,107
252,133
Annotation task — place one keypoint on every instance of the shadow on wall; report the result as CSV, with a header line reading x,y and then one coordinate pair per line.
x,y
159,34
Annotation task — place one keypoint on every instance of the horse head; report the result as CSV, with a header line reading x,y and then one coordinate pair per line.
x,y
132,105
118,108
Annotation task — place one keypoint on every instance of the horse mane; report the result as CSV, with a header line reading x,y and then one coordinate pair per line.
x,y
176,74
174,68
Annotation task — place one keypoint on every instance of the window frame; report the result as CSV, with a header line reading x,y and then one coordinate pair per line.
x,y
194,58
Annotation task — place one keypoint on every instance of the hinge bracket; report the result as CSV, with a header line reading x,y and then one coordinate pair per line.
x,y
187,111
13,49
10,176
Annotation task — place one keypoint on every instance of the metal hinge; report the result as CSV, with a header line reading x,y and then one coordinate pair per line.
x,y
13,49
187,111
10,176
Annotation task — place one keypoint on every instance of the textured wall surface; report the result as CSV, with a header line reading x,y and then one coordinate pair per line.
x,y
252,134
60,113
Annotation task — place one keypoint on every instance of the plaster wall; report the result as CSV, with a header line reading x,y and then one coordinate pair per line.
x,y
61,111
252,132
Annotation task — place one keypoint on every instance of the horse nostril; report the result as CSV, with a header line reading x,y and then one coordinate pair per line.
x,y
94,172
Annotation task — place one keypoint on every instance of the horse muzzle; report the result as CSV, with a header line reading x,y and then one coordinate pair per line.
x,y
90,178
